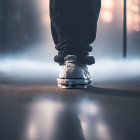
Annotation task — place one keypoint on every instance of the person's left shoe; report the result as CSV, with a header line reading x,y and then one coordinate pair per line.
x,y
74,74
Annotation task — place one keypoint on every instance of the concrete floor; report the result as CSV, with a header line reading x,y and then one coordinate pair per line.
x,y
41,111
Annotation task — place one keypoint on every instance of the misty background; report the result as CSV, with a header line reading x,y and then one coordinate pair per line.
x,y
25,36
25,28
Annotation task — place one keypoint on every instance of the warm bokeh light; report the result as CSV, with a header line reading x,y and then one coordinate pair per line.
x,y
107,16
129,20
44,6
107,4
133,10
107,13
133,18
107,8
136,28
136,18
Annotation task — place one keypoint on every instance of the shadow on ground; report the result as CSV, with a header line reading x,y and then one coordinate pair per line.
x,y
113,92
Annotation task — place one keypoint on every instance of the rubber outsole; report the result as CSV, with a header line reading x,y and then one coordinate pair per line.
x,y
74,83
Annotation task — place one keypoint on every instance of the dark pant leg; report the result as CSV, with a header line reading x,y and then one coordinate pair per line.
x,y
73,25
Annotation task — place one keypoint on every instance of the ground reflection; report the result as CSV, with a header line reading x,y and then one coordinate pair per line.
x,y
51,119
92,121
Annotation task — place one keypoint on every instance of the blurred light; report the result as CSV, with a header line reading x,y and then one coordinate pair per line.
x,y
92,121
107,4
44,6
103,131
136,1
128,3
88,107
45,20
132,11
41,121
107,16
32,131
88,110
135,8
84,126
136,18
133,17
107,10
129,21
136,27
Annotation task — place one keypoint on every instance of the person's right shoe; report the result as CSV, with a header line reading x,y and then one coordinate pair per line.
x,y
74,74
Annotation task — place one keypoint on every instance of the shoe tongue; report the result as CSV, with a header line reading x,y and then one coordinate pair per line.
x,y
71,58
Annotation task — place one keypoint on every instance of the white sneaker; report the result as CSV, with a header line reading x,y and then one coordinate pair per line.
x,y
74,74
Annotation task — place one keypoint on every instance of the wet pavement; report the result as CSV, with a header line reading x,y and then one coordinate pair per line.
x,y
33,111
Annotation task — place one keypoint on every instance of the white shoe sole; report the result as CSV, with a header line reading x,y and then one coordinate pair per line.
x,y
74,83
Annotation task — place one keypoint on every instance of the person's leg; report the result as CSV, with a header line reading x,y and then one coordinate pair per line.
x,y
73,25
